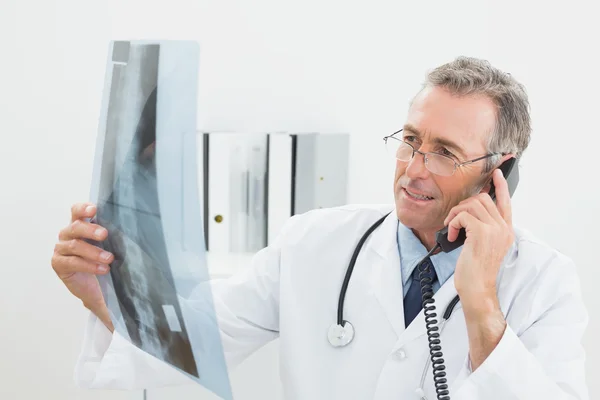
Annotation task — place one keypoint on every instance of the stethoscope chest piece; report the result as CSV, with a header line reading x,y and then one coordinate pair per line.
x,y
340,336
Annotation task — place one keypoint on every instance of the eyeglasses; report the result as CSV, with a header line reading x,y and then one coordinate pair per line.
x,y
436,163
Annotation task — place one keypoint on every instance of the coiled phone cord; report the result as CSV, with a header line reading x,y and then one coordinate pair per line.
x,y
431,324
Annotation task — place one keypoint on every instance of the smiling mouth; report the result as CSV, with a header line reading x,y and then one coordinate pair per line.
x,y
417,196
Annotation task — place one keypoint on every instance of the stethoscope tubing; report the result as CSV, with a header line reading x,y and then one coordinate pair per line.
x,y
350,269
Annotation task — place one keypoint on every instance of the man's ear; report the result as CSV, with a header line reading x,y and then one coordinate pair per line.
x,y
486,186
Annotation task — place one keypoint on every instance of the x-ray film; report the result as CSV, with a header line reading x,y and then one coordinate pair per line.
x,y
145,187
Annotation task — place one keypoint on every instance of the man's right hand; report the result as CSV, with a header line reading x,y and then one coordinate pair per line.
x,y
77,262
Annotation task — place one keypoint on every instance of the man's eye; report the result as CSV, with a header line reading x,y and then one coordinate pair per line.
x,y
409,139
446,152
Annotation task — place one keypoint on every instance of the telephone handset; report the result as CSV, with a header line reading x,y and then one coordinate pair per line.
x,y
510,170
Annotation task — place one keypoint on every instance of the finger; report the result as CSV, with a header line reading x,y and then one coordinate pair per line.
x,y
80,229
67,265
77,247
82,210
490,206
502,197
462,220
473,206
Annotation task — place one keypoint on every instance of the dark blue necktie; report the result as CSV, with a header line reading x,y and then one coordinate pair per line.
x,y
413,302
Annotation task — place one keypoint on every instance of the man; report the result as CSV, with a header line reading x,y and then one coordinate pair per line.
x,y
516,333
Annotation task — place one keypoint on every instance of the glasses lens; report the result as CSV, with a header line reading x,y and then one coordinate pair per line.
x,y
440,165
399,149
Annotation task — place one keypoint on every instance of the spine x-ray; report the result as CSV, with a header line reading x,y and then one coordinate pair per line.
x,y
145,186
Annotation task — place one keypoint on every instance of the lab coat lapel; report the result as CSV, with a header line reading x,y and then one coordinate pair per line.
x,y
385,278
386,281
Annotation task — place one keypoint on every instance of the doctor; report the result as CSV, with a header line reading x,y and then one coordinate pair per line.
x,y
515,334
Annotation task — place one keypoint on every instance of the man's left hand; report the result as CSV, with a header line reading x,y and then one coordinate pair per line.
x,y
489,237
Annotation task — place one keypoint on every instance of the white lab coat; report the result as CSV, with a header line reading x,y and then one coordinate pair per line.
x,y
291,291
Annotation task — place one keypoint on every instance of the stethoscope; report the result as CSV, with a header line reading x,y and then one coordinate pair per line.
x,y
342,332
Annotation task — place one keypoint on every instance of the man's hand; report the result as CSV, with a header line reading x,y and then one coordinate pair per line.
x,y
77,262
489,237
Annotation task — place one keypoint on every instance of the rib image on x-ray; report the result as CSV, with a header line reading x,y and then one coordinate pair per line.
x,y
145,186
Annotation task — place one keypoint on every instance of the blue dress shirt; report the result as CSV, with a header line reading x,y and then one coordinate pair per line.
x,y
412,251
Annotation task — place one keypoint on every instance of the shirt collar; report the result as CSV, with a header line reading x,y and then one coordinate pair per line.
x,y
412,251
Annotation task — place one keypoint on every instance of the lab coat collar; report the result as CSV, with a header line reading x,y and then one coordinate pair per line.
x,y
386,281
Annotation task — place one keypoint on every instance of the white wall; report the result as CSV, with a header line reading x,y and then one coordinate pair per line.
x,y
310,65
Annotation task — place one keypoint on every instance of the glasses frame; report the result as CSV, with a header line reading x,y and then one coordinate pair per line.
x,y
424,154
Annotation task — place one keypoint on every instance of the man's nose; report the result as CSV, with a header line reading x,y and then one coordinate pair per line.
x,y
416,168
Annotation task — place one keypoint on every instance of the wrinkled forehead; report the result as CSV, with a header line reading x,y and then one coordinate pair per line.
x,y
468,121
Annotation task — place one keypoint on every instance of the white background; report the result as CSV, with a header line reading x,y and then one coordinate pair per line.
x,y
274,65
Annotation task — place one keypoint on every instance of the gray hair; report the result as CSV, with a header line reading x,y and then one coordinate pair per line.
x,y
471,76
